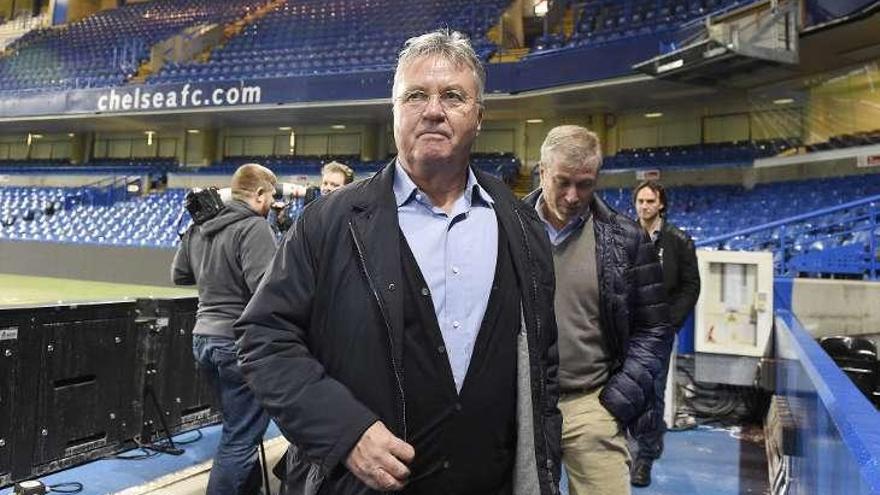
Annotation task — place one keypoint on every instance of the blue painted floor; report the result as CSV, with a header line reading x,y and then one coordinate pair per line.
x,y
113,475
707,460
704,460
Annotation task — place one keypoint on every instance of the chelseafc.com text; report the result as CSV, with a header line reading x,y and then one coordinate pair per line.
x,y
186,97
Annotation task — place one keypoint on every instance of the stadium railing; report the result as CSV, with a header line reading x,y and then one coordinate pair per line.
x,y
842,240
836,446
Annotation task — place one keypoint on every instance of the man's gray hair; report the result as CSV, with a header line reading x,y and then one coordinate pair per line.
x,y
574,145
450,45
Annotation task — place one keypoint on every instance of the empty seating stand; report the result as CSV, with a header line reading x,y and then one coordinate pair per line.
x,y
866,138
325,37
599,22
704,212
105,49
699,155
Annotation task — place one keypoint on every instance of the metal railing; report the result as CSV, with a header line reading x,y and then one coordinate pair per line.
x,y
838,240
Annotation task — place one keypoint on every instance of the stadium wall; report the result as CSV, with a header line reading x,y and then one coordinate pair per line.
x,y
58,180
837,307
127,265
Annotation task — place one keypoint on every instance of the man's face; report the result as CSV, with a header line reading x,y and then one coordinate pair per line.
x,y
262,200
332,181
436,115
567,188
647,205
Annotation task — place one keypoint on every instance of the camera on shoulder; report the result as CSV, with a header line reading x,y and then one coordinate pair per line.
x,y
203,204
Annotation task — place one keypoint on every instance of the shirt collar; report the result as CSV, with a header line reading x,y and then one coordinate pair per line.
x,y
572,224
656,234
405,189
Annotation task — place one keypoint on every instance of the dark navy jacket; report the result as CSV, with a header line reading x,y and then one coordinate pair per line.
x,y
633,313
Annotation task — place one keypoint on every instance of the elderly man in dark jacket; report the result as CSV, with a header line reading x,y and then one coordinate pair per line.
x,y
611,313
404,337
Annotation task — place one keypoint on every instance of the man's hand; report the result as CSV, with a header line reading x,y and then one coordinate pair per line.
x,y
379,459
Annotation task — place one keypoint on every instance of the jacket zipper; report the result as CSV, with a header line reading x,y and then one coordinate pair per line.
x,y
394,365
539,332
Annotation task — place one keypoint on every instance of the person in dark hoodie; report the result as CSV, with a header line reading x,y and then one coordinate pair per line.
x,y
226,257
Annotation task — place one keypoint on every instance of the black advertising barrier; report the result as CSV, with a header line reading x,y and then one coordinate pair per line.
x,y
177,395
16,337
88,402
80,382
72,393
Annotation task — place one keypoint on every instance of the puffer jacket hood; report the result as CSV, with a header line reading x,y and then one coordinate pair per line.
x,y
235,211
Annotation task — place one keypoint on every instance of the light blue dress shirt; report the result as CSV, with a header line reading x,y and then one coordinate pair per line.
x,y
557,237
456,254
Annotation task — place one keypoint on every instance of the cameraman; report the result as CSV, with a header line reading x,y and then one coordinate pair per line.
x,y
335,175
225,257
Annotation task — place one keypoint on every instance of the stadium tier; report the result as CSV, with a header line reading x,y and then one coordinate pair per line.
x,y
321,37
699,155
711,211
107,48
704,212
294,38
605,21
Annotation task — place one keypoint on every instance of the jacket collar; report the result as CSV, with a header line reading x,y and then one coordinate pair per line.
x,y
374,222
598,207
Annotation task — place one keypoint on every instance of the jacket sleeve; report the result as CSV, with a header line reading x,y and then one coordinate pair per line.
x,y
683,299
257,248
551,407
631,390
181,269
312,409
552,415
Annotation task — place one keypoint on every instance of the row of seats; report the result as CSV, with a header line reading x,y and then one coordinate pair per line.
x,y
710,211
334,36
98,164
605,21
699,155
49,215
703,212
865,138
105,49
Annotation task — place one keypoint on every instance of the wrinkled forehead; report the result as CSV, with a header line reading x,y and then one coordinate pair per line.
x,y
559,164
431,66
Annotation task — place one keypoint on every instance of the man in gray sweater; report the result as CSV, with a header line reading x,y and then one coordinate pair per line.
x,y
226,257
610,311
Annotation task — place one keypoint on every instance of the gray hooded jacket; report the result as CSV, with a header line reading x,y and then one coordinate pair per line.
x,y
225,257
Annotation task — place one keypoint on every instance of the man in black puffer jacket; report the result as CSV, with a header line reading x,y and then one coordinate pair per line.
x,y
611,314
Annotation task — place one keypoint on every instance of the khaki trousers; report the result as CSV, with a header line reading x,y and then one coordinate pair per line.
x,y
594,449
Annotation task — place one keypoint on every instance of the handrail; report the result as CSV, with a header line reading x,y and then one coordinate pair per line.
x,y
851,414
785,221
